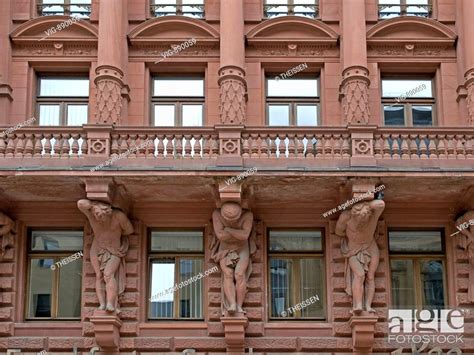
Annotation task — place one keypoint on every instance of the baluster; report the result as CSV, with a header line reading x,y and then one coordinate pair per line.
x,y
432,146
19,149
47,145
282,146
84,146
3,146
38,148
64,148
451,147
328,145
245,146
214,145
319,146
133,147
404,147
346,146
207,146
337,148
114,146
264,150
378,146
300,145
123,143
291,145
423,147
140,147
197,146
413,146
309,146
395,146
10,145
469,147
386,146
75,145
442,153
178,144
149,146
254,145
460,153
168,146
187,145
272,145
160,149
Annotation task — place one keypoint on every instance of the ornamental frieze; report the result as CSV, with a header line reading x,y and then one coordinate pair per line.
x,y
411,50
198,50
54,49
292,50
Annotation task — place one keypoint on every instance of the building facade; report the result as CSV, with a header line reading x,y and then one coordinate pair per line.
x,y
212,176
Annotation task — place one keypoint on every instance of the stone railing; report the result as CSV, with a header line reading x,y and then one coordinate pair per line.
x,y
272,147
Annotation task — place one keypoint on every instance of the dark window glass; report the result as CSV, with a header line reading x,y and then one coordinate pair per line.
x,y
415,241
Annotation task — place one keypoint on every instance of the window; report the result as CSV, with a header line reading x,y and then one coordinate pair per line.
x,y
176,256
77,8
54,291
307,8
417,265
292,102
395,8
408,102
190,8
62,101
296,269
178,102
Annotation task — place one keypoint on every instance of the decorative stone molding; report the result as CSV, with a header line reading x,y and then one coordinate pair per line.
x,y
234,328
229,145
106,330
233,95
469,85
98,140
363,329
108,94
7,233
465,241
354,93
362,143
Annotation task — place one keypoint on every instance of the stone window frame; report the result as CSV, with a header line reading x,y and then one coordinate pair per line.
x,y
408,102
293,102
320,254
417,257
176,255
403,12
56,255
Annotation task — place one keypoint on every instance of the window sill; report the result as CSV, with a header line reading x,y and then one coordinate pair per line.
x,y
310,324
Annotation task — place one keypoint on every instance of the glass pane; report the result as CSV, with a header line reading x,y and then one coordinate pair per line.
x,y
177,241
190,296
164,115
56,9
312,287
56,240
192,115
394,115
69,298
162,280
415,241
432,284
389,11
64,87
405,89
403,290
295,241
279,115
80,11
307,115
76,115
40,288
193,11
275,10
178,88
417,10
422,115
292,87
281,285
49,115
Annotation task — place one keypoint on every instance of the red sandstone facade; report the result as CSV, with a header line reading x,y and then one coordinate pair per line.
x,y
45,169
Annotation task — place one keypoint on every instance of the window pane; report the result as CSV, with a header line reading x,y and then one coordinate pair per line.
x,y
69,298
292,87
192,115
307,115
389,11
56,240
40,288
406,88
55,9
164,115
312,281
403,290
190,296
76,115
295,241
177,241
64,87
49,115
279,115
178,88
422,115
394,115
281,285
276,10
415,241
162,279
432,283
417,10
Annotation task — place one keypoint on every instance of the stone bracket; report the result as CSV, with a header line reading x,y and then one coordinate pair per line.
x,y
106,190
106,329
362,143
98,140
234,328
363,329
229,145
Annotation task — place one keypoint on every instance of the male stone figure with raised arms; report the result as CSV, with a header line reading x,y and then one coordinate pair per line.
x,y
359,247
107,250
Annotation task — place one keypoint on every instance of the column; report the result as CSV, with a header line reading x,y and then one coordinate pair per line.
x,y
112,53
465,39
355,84
5,61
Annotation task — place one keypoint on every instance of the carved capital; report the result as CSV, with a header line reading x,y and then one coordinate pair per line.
x,y
354,93
106,330
109,89
363,329
234,328
233,95
469,84
105,190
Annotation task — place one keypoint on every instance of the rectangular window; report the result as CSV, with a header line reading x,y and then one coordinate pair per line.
x,y
77,8
54,290
408,102
189,8
292,102
417,265
396,8
275,8
62,101
178,102
175,257
296,274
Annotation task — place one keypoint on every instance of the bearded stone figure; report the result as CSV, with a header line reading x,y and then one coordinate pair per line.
x,y
359,247
108,250
232,246
465,225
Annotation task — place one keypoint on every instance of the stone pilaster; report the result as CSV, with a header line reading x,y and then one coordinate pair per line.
x,y
233,95
109,85
469,84
465,9
355,95
5,60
